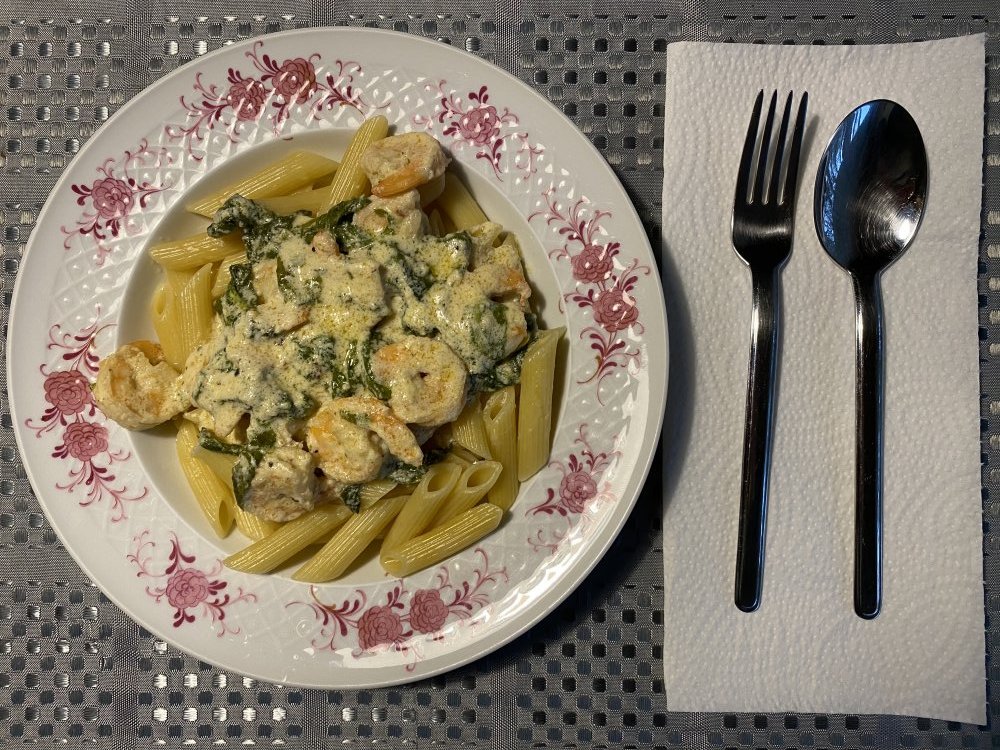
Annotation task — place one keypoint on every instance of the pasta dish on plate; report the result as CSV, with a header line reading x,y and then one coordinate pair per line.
x,y
348,352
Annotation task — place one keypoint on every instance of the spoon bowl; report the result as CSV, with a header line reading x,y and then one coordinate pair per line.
x,y
871,187
870,195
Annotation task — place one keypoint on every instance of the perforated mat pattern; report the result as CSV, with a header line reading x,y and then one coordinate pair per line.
x,y
75,671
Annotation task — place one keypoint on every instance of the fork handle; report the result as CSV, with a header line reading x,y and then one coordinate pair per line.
x,y
757,439
869,457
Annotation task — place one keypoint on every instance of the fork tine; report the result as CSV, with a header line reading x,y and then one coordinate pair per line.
x,y
765,142
791,181
779,153
746,161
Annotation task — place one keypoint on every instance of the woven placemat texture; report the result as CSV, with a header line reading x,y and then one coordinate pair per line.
x,y
74,670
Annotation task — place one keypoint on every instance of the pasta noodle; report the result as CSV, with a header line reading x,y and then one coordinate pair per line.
x,y
350,541
501,429
291,538
458,204
298,169
469,431
423,504
214,497
163,312
350,180
194,251
443,541
534,414
194,307
254,527
477,479
313,201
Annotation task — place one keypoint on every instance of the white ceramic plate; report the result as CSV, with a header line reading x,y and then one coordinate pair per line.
x,y
117,499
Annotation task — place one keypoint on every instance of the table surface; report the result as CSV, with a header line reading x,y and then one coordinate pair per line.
x,y
75,670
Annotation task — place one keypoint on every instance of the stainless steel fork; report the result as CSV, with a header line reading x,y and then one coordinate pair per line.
x,y
762,236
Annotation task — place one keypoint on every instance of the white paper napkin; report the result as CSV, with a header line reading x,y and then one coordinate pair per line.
x,y
805,650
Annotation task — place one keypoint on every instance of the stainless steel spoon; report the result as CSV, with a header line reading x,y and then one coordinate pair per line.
x,y
869,201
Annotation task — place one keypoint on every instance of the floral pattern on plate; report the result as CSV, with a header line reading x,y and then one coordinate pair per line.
x,y
597,274
84,442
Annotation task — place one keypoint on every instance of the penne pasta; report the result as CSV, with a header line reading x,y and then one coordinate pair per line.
x,y
350,181
194,310
291,538
177,280
193,252
213,495
459,461
500,419
477,479
298,169
313,201
431,191
422,505
457,203
443,541
534,411
221,464
222,277
163,311
372,492
254,527
350,541
469,431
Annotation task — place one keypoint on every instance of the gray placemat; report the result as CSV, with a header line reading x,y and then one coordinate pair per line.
x,y
75,670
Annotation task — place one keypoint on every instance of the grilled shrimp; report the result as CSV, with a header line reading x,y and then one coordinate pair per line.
x,y
426,378
403,162
136,388
350,436
399,215
502,281
283,486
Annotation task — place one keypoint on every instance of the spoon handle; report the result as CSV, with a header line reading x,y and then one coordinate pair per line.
x,y
757,439
868,479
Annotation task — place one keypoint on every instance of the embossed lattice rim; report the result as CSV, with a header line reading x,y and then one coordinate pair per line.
x,y
599,255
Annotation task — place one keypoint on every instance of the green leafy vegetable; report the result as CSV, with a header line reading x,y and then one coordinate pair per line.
x,y
295,289
263,230
249,457
240,295
351,495
504,373
341,213
377,389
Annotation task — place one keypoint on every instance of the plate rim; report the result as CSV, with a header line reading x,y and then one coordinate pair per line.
x,y
599,544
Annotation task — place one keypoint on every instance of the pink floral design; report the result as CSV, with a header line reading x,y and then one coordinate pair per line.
x,y
428,611
111,198
392,624
603,285
379,625
576,488
84,437
295,80
581,476
188,587
68,391
245,98
594,263
479,124
189,590
83,441
615,309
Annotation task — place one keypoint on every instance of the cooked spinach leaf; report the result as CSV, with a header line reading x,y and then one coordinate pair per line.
x,y
339,214
351,495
